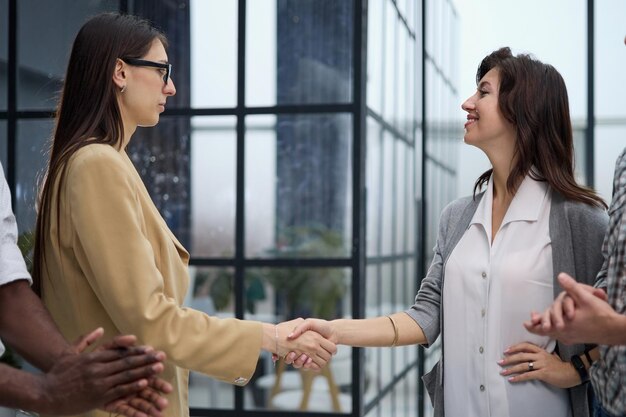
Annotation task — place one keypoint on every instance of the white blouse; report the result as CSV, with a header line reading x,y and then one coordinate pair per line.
x,y
489,290
12,266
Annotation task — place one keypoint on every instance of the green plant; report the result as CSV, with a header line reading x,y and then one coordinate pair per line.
x,y
219,286
308,291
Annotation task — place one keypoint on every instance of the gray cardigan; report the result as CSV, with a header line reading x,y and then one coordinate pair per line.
x,y
576,230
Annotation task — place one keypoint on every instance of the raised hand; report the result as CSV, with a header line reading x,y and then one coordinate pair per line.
x,y
527,362
117,376
579,314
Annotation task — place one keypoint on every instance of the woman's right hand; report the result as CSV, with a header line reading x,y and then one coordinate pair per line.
x,y
311,350
323,327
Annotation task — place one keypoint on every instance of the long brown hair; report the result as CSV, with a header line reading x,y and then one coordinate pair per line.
x,y
88,111
533,97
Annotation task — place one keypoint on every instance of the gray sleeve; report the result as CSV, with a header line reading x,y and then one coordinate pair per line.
x,y
427,307
589,226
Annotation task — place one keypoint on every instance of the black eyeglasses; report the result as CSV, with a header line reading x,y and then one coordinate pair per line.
x,y
144,63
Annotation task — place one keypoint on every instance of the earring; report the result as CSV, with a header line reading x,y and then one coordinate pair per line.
x,y
123,89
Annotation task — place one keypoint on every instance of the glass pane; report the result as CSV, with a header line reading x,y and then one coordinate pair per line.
x,y
387,192
386,403
372,293
410,285
32,140
372,373
373,179
411,397
261,181
40,70
610,61
194,191
312,63
610,131
413,79
213,186
410,201
389,73
211,291
4,51
298,186
3,146
375,62
401,91
162,157
278,294
399,298
261,52
214,53
400,219
610,142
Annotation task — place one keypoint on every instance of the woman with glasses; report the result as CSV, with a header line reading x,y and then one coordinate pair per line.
x,y
104,257
497,257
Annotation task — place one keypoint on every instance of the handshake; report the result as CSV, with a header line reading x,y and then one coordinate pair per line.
x,y
307,344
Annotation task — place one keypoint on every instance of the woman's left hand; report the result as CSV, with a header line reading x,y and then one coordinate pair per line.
x,y
526,362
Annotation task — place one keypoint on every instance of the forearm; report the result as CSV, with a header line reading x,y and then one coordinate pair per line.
x,y
26,325
378,332
19,389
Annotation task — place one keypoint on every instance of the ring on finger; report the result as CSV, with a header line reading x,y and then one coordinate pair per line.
x,y
531,366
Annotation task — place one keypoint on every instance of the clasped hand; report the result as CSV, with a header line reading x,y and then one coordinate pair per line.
x,y
118,376
312,349
576,316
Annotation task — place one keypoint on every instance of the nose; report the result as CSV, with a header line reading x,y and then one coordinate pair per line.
x,y
170,88
469,104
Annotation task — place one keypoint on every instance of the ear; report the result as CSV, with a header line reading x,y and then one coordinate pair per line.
x,y
119,74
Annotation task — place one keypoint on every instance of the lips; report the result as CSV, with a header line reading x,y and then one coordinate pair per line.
x,y
470,120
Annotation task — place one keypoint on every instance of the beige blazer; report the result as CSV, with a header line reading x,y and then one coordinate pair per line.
x,y
117,265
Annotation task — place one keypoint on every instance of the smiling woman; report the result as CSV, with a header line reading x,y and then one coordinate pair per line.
x,y
103,252
500,252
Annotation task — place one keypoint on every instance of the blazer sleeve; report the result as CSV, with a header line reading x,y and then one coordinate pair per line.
x,y
119,262
427,308
589,225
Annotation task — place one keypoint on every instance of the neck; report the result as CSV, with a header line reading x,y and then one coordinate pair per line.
x,y
128,133
129,130
502,163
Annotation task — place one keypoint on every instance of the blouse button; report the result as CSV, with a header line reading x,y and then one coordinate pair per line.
x,y
484,274
482,387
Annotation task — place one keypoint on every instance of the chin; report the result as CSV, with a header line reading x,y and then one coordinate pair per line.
x,y
149,123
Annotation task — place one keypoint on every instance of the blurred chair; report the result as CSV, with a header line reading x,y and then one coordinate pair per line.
x,y
310,391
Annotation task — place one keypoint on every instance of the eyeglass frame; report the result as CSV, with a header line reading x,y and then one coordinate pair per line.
x,y
145,63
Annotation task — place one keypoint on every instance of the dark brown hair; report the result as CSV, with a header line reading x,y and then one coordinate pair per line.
x,y
88,111
533,97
